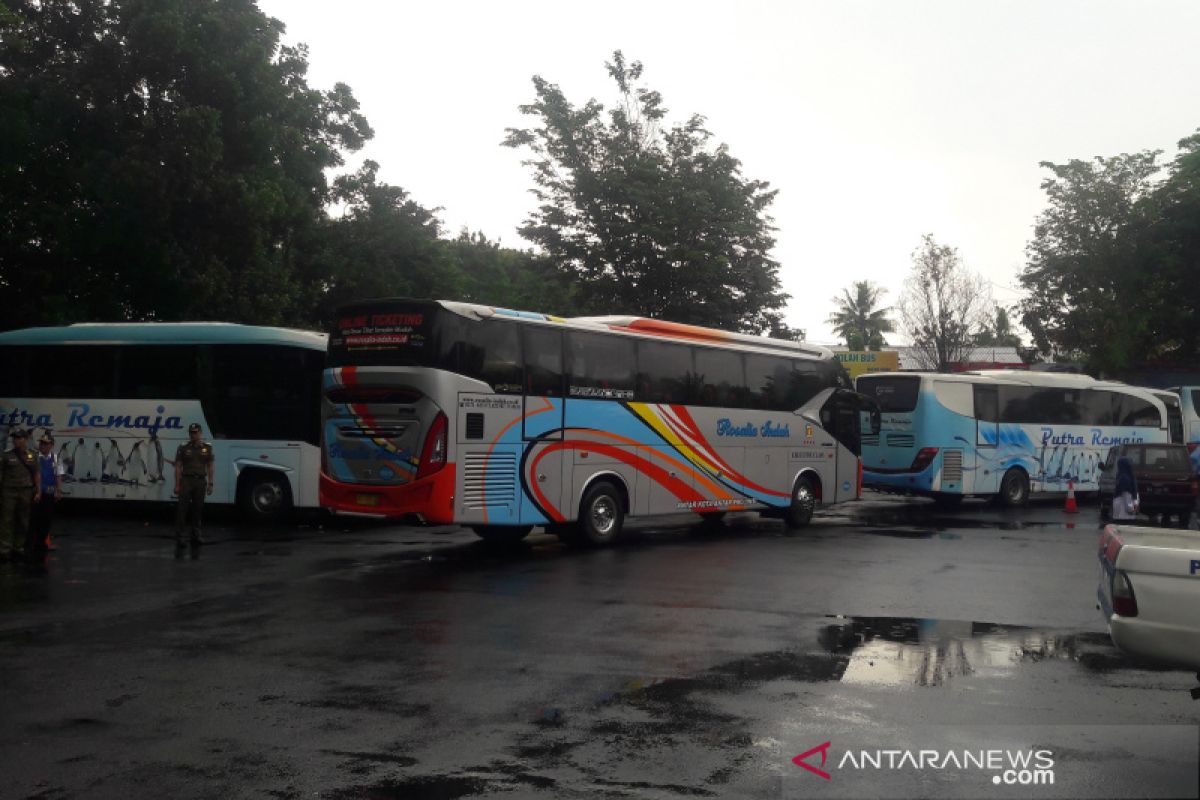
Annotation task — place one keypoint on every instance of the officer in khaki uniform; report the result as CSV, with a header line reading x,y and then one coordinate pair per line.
x,y
19,484
193,480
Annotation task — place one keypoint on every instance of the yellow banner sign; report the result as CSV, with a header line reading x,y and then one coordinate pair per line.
x,y
860,362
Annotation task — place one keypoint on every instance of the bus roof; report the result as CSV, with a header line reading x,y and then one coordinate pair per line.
x,y
645,326
133,333
1020,377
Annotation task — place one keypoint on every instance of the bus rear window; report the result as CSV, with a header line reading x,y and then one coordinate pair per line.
x,y
897,394
396,334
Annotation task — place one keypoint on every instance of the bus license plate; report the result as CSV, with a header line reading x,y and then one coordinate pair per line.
x,y
367,499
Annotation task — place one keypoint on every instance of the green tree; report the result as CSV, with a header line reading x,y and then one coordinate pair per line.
x,y
943,302
857,320
1091,284
159,159
500,276
998,332
648,220
383,245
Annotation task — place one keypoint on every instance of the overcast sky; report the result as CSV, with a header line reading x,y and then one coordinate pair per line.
x,y
876,121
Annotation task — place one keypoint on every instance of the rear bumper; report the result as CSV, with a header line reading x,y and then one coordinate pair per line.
x,y
430,498
1166,644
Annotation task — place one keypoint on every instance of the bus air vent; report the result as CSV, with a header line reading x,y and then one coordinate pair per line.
x,y
952,466
489,481
870,439
900,439
474,426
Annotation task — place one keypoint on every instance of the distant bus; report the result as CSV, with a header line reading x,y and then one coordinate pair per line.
x,y
1004,433
118,399
502,420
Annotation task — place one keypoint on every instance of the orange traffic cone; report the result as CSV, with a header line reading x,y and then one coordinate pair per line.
x,y
1071,508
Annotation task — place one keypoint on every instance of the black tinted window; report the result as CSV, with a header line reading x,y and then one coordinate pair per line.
x,y
720,377
601,366
72,371
664,372
543,361
158,372
489,351
1099,407
14,371
893,393
768,380
987,406
263,392
1041,405
1136,412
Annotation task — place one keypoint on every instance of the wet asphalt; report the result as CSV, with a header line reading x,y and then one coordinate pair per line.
x,y
346,659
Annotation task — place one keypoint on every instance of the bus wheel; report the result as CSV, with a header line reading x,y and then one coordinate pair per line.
x,y
601,514
1014,488
502,534
804,502
264,495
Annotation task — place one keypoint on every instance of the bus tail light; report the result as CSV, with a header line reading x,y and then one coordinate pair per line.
x,y
433,453
858,490
1124,603
924,458
1195,487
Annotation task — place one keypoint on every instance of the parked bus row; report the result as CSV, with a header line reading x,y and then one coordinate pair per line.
x,y
502,420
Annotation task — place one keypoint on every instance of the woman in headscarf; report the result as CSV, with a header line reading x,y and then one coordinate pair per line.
x,y
1125,492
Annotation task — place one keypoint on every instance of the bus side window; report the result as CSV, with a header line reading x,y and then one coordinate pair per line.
x,y
543,361
1136,412
664,371
601,366
724,379
767,382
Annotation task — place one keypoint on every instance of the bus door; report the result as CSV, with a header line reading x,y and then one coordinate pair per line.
x,y
984,477
841,417
542,417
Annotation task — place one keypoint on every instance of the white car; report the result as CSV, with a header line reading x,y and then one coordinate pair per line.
x,y
1150,592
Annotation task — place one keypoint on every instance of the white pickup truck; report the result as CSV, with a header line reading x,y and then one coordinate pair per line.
x,y
1150,592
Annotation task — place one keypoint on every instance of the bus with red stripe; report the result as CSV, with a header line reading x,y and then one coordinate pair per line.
x,y
504,420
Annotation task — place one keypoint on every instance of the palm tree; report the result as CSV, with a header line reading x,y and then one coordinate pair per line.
x,y
857,320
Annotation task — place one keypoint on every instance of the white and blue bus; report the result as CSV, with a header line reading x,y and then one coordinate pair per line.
x,y
1003,433
118,399
503,420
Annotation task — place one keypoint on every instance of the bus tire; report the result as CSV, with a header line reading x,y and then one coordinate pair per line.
x,y
804,503
502,534
601,515
1014,488
264,495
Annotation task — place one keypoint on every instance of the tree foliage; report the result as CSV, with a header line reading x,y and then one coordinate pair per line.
x,y
857,319
645,219
159,159
998,331
1090,289
942,305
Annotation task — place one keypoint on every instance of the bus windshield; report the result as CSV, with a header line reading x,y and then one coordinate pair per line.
x,y
893,393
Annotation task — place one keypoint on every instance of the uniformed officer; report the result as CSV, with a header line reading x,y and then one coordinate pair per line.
x,y
19,484
193,480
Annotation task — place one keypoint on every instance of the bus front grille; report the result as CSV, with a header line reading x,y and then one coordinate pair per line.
x,y
900,440
489,481
952,466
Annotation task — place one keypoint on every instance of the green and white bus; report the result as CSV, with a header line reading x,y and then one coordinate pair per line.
x,y
118,399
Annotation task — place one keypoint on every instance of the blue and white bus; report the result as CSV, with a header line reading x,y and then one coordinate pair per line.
x,y
118,399
1003,433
